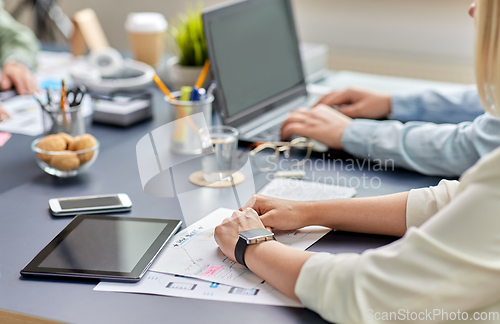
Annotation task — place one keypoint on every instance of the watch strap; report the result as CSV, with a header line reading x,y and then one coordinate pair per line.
x,y
239,251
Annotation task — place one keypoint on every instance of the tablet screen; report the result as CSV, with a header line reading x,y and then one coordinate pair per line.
x,y
103,247
115,246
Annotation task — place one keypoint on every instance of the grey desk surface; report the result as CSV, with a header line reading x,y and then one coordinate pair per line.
x,y
26,226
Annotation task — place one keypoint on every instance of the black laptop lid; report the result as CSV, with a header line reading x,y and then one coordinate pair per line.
x,y
255,57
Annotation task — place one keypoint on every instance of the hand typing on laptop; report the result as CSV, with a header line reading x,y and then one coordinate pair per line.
x,y
327,125
321,123
359,103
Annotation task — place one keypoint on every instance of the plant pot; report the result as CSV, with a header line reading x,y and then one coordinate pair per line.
x,y
177,75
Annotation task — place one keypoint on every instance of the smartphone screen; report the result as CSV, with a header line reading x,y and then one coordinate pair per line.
x,y
90,202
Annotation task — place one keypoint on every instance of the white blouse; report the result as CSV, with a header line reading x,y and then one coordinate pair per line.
x,y
447,265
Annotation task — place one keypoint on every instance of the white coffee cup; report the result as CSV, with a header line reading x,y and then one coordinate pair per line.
x,y
146,33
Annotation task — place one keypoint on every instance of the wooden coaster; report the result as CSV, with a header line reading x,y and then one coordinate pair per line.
x,y
197,179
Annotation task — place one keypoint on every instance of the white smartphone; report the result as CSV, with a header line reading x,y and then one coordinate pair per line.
x,y
90,204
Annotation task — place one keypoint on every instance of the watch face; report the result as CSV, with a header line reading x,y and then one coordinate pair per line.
x,y
255,233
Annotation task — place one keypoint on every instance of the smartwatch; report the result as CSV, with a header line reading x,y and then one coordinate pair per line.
x,y
246,238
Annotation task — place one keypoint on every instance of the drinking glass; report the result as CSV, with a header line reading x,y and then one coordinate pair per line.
x,y
220,164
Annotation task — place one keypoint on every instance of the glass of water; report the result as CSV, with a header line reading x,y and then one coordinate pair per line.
x,y
220,164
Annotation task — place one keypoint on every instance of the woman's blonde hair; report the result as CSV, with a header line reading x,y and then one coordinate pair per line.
x,y
487,54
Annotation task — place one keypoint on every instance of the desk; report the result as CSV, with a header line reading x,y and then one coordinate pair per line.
x,y
26,227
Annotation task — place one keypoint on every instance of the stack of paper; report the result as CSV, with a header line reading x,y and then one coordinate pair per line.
x,y
299,190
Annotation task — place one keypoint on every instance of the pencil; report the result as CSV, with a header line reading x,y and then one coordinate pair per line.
x,y
63,97
203,75
63,106
162,87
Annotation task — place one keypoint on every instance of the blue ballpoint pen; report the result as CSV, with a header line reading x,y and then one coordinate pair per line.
x,y
195,95
211,88
202,93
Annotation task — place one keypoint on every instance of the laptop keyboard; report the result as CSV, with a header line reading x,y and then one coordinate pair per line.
x,y
273,133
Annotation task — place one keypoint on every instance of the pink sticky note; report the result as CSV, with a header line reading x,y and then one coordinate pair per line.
x,y
4,137
211,271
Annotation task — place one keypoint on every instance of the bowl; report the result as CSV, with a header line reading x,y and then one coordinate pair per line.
x,y
64,164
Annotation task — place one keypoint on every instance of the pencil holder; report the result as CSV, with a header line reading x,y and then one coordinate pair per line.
x,y
186,138
69,121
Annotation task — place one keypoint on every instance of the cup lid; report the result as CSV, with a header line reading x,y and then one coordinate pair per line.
x,y
145,22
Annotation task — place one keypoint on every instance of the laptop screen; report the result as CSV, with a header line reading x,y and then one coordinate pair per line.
x,y
255,53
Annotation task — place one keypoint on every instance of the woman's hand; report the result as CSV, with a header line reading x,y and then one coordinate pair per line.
x,y
321,123
280,213
359,103
274,262
227,233
17,75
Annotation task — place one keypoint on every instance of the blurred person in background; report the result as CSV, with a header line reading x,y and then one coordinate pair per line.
x,y
18,49
432,132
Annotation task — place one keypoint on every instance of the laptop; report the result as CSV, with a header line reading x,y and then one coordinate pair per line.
x,y
255,58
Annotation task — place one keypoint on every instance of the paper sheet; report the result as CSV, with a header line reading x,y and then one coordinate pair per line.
x,y
170,285
25,113
194,253
25,116
300,190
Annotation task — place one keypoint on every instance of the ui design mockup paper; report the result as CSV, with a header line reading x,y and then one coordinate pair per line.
x,y
194,253
162,284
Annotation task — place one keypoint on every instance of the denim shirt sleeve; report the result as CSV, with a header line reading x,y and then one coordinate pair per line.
x,y
428,148
444,106
17,42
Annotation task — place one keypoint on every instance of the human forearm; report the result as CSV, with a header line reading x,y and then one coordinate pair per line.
x,y
276,263
280,265
18,43
377,215
438,106
432,149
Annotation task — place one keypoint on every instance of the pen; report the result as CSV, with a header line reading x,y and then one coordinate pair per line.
x,y
167,93
202,93
195,95
186,93
44,108
211,88
49,97
39,102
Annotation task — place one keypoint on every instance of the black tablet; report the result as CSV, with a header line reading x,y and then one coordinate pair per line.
x,y
103,248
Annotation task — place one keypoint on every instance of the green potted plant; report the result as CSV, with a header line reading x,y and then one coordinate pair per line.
x,y
187,41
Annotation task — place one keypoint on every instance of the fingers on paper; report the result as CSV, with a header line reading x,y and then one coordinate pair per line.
x,y
5,82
